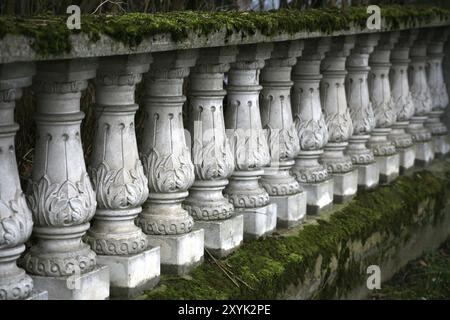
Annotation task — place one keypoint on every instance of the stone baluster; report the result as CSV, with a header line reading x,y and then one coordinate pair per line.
x,y
248,141
438,91
119,180
361,111
446,71
16,222
338,119
384,150
168,166
282,139
60,193
310,125
211,154
402,99
421,97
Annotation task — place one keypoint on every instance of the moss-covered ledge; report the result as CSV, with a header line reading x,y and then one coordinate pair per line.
x,y
327,257
47,37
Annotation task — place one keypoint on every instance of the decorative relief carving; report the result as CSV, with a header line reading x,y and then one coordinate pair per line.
x,y
211,160
312,133
165,225
339,125
16,290
123,246
59,87
254,199
15,222
61,204
283,142
217,210
384,113
404,107
284,188
118,79
119,189
339,166
168,172
310,174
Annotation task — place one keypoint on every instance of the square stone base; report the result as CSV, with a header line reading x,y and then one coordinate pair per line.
x,y
424,153
345,186
222,237
179,253
291,210
38,295
319,196
389,167
93,285
441,146
407,158
131,275
368,176
259,221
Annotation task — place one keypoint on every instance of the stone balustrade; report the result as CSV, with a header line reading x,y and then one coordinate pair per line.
x,y
275,130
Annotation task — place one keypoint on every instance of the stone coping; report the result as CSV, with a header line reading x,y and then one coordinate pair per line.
x,y
47,38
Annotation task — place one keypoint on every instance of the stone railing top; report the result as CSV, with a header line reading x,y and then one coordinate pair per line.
x,y
48,38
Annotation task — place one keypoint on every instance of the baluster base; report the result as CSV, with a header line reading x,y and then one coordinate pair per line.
x,y
345,186
319,196
368,175
291,210
441,146
389,167
132,274
407,158
38,295
259,222
222,237
92,285
180,254
424,153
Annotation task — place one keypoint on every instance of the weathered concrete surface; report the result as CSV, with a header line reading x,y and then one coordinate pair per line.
x,y
19,48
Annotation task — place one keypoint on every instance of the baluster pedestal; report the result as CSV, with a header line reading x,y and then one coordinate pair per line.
x,y
212,157
119,180
60,194
284,145
338,120
248,142
168,166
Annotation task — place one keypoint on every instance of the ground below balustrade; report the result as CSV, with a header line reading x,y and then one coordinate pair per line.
x,y
327,256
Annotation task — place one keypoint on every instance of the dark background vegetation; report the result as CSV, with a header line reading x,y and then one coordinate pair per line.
x,y
31,7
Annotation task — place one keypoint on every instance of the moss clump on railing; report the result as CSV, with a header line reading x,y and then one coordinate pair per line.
x,y
51,36
264,269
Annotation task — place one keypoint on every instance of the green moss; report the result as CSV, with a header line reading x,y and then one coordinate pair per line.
x,y
264,268
52,37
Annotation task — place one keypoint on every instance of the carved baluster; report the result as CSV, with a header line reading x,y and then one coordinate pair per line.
x,y
338,119
118,178
310,125
60,193
361,111
402,100
276,117
15,216
211,154
438,91
386,155
421,97
167,164
248,141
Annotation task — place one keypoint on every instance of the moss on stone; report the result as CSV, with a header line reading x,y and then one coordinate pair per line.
x,y
51,35
265,268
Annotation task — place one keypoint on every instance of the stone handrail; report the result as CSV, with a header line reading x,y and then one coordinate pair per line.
x,y
310,118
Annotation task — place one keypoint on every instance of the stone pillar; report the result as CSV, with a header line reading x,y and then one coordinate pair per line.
x,y
384,150
282,139
248,141
438,91
361,111
310,126
16,222
211,154
338,119
119,180
168,166
60,193
402,100
420,93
